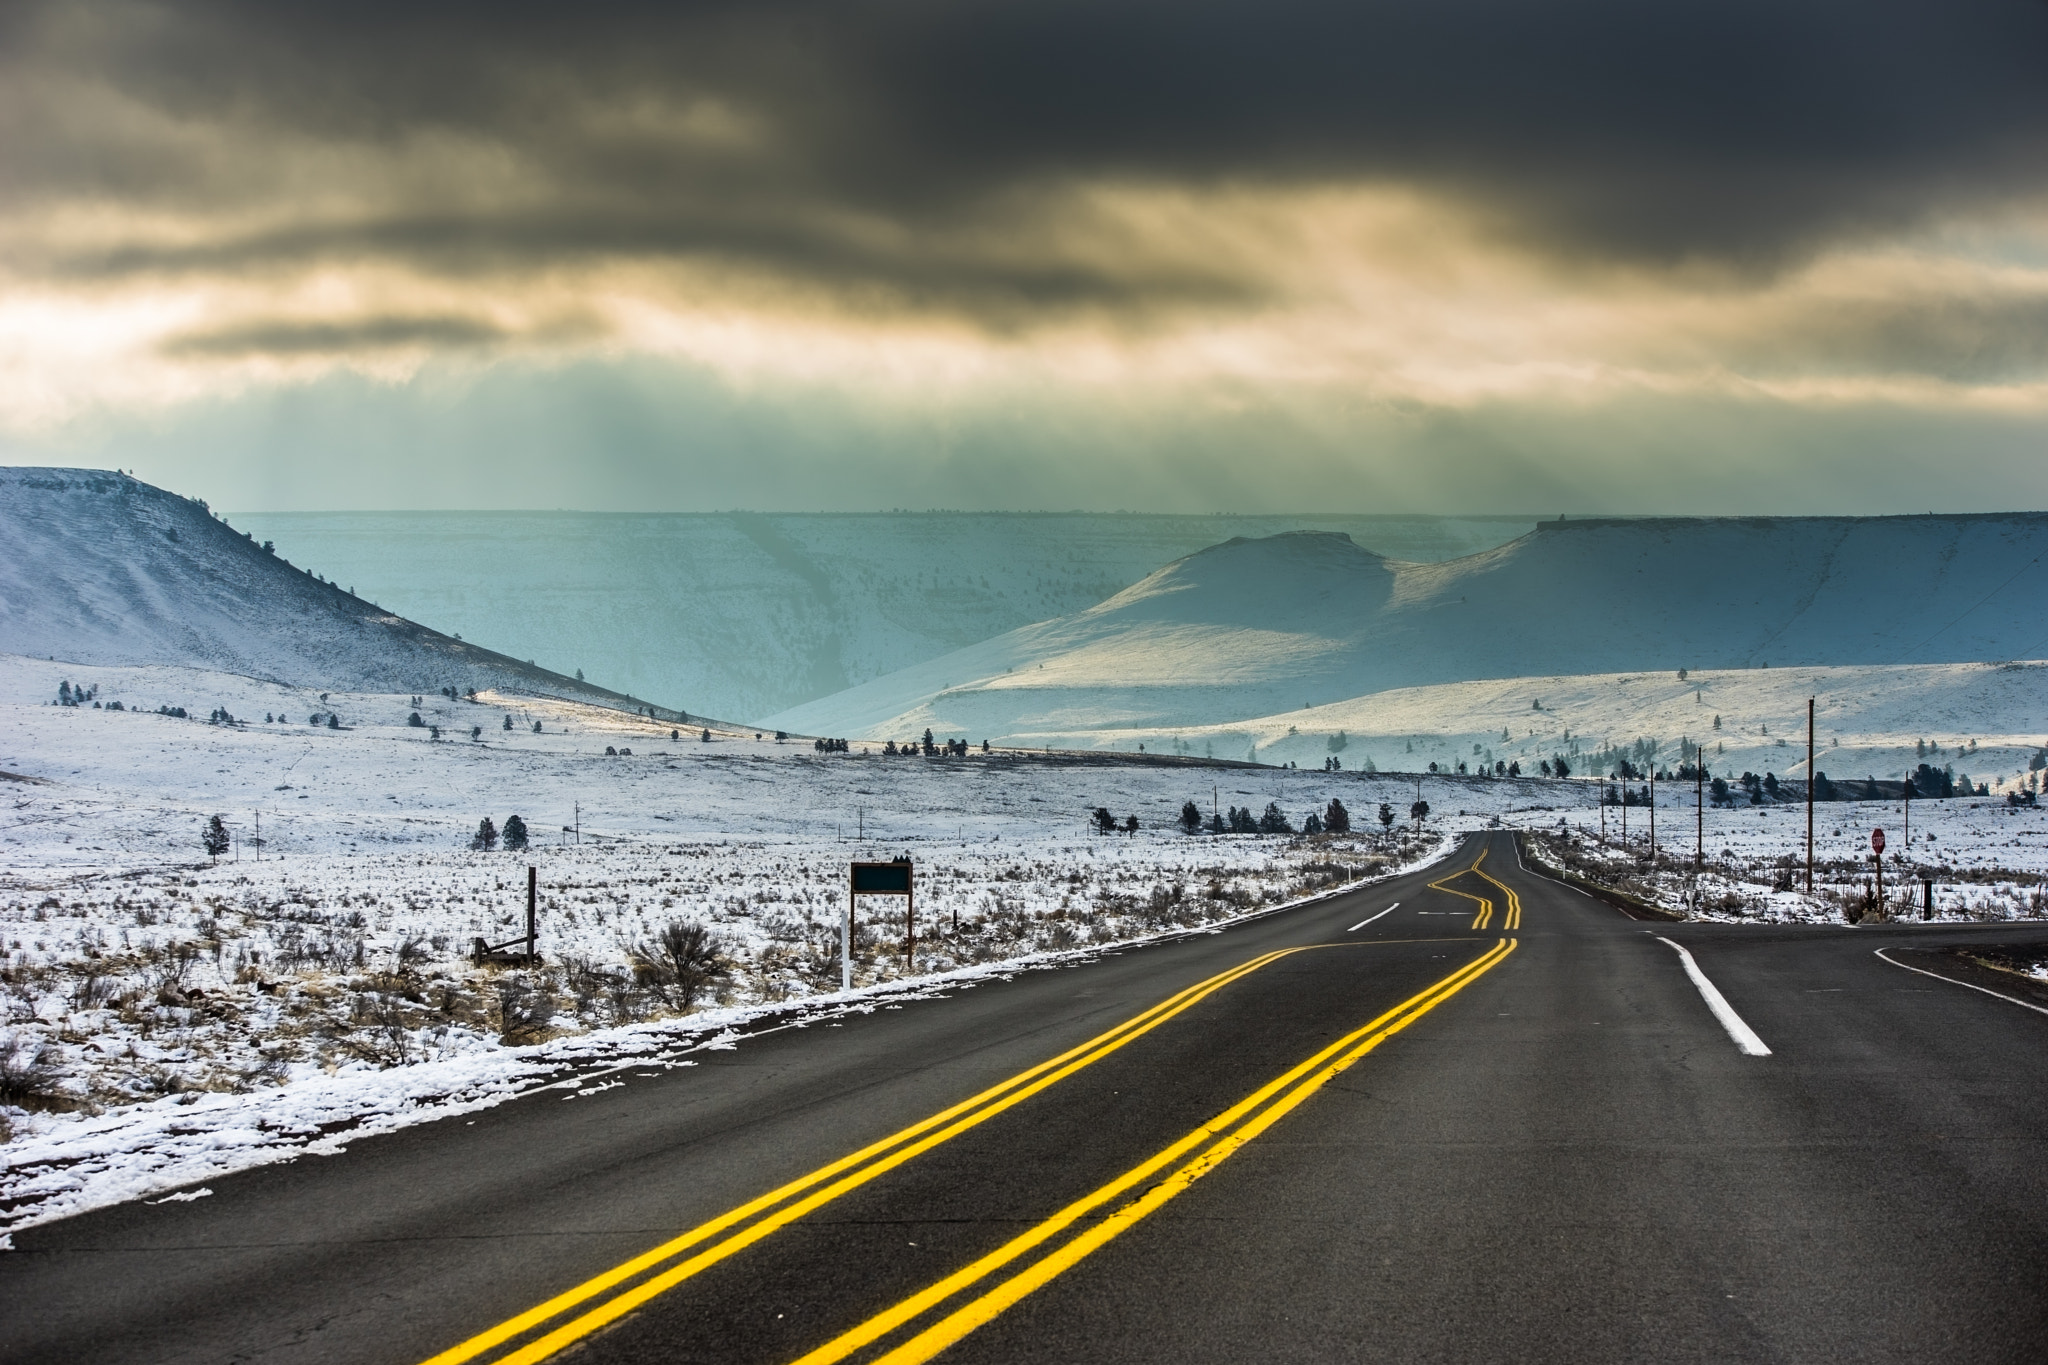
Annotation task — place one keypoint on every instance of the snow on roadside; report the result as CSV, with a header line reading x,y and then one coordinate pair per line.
x,y
135,1151
1987,860
164,1019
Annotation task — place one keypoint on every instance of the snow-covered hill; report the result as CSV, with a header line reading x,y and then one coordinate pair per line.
x,y
744,613
100,568
1257,627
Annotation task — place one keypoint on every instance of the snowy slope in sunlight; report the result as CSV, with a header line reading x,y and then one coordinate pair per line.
x,y
1256,627
101,568
1987,721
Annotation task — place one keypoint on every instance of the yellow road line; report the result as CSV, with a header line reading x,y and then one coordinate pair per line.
x,y
1513,919
1217,1140
845,1174
1485,915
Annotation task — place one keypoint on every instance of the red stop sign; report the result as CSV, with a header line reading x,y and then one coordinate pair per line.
x,y
1877,841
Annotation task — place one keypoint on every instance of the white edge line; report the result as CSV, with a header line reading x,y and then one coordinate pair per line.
x,y
1744,1036
1370,918
1966,984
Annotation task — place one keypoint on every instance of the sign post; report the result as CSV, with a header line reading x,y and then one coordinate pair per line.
x,y
878,879
1809,796
1877,856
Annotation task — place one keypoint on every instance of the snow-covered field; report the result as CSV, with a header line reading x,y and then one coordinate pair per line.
x,y
168,1017
1988,861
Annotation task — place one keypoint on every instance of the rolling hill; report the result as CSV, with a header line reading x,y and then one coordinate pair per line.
x,y
100,568
746,613
1257,627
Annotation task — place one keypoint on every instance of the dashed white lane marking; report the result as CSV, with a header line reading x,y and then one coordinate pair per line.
x,y
1370,918
1953,982
1744,1036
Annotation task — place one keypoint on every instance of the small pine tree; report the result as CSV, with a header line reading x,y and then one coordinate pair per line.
x,y
1273,822
215,838
1216,825
414,721
1190,817
508,722
536,727
515,835
1336,819
1419,811
1313,824
1386,815
486,836
1105,823
333,721
1130,824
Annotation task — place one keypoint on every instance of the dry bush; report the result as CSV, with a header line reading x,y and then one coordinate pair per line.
x,y
684,960
28,1078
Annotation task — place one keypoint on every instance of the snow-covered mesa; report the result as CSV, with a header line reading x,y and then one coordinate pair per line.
x,y
745,613
1255,628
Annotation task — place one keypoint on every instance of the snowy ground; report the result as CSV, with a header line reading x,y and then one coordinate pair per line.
x,y
166,1018
163,1020
1987,860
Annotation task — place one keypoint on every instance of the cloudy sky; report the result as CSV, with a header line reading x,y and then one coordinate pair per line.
x,y
1453,255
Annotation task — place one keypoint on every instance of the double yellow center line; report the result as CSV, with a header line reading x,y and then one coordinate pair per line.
x,y
623,1288
576,1313
1511,921
1190,1158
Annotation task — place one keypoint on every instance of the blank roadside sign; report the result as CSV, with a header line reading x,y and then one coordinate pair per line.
x,y
881,879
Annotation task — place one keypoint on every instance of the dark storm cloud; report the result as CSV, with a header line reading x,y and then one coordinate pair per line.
x,y
276,337
907,144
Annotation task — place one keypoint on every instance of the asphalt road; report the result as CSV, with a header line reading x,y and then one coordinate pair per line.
x,y
1521,1142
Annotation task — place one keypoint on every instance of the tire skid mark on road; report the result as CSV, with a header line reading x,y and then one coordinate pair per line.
x,y
1210,1145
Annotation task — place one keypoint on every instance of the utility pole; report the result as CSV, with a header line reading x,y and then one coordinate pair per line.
x,y
1653,810
259,836
1699,807
1809,796
579,824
